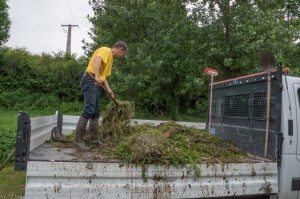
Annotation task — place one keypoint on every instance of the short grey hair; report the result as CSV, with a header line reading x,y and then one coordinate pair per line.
x,y
122,45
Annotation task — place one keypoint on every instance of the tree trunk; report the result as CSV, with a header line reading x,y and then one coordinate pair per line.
x,y
173,106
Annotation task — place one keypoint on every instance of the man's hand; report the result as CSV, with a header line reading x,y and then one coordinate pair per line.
x,y
98,82
111,94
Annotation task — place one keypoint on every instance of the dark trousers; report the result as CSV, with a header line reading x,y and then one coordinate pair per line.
x,y
91,93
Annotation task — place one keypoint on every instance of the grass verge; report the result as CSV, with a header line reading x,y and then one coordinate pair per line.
x,y
12,183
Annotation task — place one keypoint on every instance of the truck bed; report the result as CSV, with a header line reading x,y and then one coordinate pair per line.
x,y
57,172
49,152
68,173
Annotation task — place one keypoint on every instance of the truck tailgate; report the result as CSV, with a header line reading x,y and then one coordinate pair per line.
x,y
69,179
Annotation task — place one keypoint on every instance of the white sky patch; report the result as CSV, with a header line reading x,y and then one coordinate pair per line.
x,y
36,24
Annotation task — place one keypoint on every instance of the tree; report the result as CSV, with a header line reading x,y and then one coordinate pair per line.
x,y
163,60
236,31
170,45
4,22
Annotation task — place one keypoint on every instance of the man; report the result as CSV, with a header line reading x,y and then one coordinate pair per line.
x,y
99,68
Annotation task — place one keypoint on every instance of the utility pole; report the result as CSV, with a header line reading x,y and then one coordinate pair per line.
x,y
68,49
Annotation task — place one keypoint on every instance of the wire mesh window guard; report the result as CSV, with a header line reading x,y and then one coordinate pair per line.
x,y
259,105
236,106
217,107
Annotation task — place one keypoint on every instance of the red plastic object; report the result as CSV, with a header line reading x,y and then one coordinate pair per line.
x,y
210,71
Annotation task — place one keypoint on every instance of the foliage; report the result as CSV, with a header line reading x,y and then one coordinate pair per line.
x,y
172,41
147,144
8,126
4,22
236,31
115,121
160,70
170,44
21,98
291,60
166,144
53,76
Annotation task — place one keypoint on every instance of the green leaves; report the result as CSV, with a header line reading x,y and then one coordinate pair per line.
x,y
163,44
236,31
30,80
4,22
170,44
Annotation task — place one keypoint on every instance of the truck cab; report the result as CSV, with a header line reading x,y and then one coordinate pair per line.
x,y
289,178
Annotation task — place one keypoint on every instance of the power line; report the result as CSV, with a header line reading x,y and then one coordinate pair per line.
x,y
51,11
60,10
71,11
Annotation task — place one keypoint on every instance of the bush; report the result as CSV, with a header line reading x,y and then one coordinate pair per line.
x,y
10,99
45,102
22,99
201,108
72,108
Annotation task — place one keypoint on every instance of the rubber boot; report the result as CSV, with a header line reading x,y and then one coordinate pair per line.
x,y
94,131
80,132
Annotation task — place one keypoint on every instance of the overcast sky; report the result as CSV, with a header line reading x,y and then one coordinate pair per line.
x,y
36,24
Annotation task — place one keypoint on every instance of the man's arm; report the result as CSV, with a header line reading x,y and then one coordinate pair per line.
x,y
97,65
106,85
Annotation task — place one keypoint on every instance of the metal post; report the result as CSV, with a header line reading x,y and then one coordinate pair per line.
x,y
22,141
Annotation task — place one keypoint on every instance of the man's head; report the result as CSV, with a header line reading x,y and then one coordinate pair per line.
x,y
119,49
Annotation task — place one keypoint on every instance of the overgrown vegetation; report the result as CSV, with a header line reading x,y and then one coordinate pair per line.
x,y
38,81
166,144
4,22
170,44
172,144
115,121
172,41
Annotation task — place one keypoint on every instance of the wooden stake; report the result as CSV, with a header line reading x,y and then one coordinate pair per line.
x,y
8,158
268,115
210,101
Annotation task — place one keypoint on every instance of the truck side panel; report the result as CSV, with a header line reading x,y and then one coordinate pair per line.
x,y
115,180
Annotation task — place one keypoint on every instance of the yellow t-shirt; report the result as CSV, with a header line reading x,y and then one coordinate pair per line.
x,y
106,64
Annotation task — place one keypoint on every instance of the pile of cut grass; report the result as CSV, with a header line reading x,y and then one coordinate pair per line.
x,y
116,121
168,143
149,144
